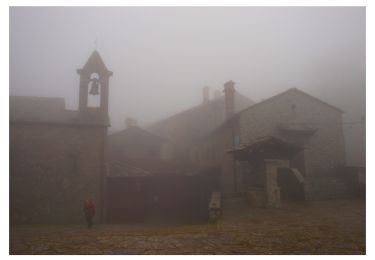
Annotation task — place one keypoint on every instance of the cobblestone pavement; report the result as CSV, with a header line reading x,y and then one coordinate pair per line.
x,y
325,227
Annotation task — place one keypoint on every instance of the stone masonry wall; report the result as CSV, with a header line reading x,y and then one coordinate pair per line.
x,y
219,143
324,150
52,170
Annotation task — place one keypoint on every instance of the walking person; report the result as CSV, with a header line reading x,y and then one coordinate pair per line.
x,y
89,209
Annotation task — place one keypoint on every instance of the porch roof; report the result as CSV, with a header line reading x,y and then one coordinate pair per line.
x,y
265,147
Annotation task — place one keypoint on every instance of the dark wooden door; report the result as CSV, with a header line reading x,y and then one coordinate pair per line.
x,y
126,199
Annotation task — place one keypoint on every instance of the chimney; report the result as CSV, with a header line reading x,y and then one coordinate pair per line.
x,y
217,94
130,122
229,98
206,94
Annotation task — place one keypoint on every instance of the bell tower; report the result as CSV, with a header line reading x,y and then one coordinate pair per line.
x,y
94,80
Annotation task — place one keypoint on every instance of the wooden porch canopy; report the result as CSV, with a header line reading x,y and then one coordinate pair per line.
x,y
266,148
297,129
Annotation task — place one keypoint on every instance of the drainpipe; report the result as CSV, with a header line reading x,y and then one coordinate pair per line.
x,y
234,160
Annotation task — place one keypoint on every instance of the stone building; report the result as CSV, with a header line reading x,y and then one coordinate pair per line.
x,y
58,156
292,131
151,178
134,142
189,126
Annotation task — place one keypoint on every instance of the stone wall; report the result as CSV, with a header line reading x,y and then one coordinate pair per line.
x,y
134,143
199,121
214,151
52,170
331,187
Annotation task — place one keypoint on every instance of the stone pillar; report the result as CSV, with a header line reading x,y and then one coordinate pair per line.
x,y
272,189
103,178
206,94
83,90
229,99
104,95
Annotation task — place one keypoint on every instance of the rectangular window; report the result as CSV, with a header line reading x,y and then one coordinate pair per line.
x,y
236,141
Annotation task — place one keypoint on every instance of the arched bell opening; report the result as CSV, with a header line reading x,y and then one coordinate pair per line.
x,y
93,87
94,90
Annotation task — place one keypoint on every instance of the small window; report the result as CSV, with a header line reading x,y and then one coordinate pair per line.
x,y
237,141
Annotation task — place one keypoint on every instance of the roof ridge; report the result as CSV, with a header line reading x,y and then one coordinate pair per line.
x,y
211,101
273,97
283,93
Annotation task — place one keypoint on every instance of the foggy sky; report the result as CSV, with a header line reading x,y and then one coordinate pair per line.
x,y
162,56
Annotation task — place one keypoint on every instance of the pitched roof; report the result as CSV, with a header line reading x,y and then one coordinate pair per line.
x,y
265,141
95,64
201,119
266,101
145,133
286,93
50,110
264,145
124,169
160,167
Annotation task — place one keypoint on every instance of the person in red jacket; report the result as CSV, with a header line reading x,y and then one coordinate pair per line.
x,y
89,209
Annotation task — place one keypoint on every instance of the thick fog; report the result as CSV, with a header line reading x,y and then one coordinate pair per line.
x,y
162,57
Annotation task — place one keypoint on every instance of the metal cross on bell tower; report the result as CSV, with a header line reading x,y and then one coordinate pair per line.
x,y
96,43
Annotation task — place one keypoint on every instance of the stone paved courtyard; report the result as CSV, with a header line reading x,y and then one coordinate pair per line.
x,y
322,227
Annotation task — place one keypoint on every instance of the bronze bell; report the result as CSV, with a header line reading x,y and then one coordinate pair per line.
x,y
94,87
